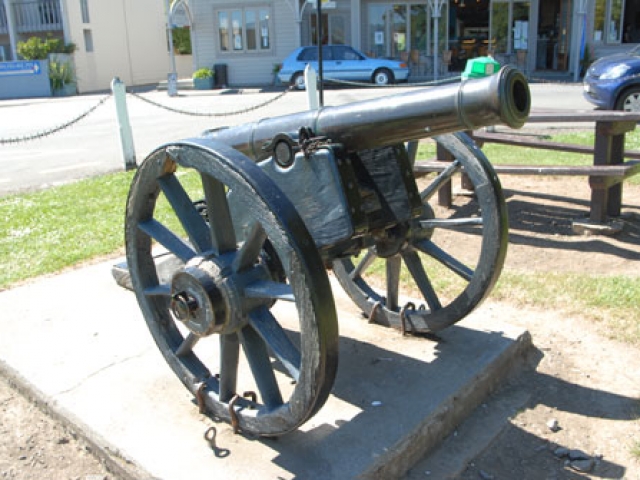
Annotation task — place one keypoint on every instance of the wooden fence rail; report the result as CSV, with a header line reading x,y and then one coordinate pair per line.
x,y
606,174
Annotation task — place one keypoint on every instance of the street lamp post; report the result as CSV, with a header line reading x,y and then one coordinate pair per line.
x,y
172,81
436,12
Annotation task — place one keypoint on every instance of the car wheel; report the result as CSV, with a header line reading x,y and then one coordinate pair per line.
x,y
297,81
382,77
629,100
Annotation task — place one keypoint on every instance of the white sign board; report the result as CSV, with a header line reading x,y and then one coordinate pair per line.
x,y
325,4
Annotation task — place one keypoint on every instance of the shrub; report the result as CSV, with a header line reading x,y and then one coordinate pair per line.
x,y
182,40
203,73
36,48
60,74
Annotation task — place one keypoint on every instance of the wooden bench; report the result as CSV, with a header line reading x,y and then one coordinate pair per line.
x,y
606,174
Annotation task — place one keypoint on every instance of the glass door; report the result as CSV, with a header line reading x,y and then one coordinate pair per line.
x,y
398,30
509,31
333,29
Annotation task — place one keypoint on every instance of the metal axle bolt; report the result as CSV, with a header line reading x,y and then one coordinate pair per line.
x,y
183,305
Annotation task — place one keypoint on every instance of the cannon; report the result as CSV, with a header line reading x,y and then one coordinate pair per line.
x,y
229,236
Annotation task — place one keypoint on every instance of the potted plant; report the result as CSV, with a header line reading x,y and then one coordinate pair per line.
x,y
61,77
203,79
276,70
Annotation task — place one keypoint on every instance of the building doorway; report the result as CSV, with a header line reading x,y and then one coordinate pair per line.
x,y
554,33
510,32
334,29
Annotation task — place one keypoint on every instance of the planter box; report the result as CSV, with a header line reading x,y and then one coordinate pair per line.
x,y
203,83
67,90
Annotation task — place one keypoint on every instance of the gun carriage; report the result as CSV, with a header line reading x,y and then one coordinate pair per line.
x,y
229,236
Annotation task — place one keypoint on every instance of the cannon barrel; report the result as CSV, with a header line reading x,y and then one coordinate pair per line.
x,y
500,99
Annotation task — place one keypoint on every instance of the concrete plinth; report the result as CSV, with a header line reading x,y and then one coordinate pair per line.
x,y
79,342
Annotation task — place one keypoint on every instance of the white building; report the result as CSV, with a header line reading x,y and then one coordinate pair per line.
x,y
544,36
123,38
127,38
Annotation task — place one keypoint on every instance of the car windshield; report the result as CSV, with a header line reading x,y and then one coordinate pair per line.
x,y
635,50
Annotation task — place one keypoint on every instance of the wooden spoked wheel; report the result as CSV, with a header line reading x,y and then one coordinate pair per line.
x,y
438,268
232,287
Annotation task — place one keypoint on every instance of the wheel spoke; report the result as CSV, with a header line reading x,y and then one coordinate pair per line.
x,y
158,291
393,281
251,248
365,263
452,223
229,356
167,239
412,260
256,352
263,321
191,220
187,345
266,289
440,180
220,224
455,265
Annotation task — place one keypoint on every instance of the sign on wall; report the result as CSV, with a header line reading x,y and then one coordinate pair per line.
x,y
20,68
24,79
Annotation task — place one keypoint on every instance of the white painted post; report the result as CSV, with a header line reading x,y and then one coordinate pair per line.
x,y
124,126
311,82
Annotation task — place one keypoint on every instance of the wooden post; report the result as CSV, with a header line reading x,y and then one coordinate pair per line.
x,y
608,150
444,193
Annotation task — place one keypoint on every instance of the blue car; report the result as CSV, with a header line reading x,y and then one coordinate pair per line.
x,y
341,62
613,82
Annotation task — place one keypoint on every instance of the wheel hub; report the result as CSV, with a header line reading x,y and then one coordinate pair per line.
x,y
391,241
204,297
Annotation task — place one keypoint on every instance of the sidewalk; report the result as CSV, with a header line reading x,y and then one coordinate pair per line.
x,y
79,341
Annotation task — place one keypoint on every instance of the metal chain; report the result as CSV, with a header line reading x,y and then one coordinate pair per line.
x,y
394,85
205,114
46,133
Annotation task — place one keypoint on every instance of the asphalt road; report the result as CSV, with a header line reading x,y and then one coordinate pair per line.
x,y
92,146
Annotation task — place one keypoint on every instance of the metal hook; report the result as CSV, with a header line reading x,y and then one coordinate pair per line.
x,y
210,437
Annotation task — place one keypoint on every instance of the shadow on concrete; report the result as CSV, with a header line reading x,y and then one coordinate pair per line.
x,y
418,398
384,400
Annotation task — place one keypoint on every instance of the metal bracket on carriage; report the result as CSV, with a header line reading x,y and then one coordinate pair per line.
x,y
406,321
309,143
284,148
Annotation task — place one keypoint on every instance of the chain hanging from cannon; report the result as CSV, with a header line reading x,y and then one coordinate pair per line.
x,y
234,287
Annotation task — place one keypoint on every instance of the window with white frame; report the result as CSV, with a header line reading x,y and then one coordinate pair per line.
x,y
84,9
244,30
607,21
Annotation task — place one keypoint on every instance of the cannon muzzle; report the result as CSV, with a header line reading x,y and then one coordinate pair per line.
x,y
500,99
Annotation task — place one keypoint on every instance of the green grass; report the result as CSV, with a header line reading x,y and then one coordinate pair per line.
x,y
611,301
46,231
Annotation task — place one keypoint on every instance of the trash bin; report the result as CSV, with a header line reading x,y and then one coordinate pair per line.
x,y
220,70
480,67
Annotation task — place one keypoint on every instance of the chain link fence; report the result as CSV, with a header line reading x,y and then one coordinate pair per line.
x,y
430,83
